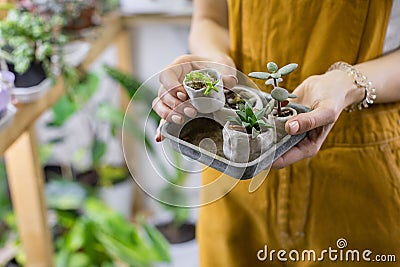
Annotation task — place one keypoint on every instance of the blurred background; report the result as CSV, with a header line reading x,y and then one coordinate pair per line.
x,y
67,196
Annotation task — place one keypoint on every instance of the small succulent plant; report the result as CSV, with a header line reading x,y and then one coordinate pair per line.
x,y
199,80
274,77
250,120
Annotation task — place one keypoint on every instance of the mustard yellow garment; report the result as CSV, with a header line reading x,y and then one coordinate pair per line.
x,y
351,189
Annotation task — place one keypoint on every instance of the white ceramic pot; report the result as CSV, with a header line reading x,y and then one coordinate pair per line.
x,y
119,197
207,103
280,122
241,147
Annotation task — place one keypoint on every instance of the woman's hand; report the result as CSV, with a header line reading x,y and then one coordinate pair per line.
x,y
172,102
327,95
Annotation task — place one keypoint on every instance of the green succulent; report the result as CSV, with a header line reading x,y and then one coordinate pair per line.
x,y
274,72
199,80
250,120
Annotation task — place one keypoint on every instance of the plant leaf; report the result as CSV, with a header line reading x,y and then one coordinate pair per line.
x,y
287,69
260,75
254,132
280,94
260,114
98,151
272,67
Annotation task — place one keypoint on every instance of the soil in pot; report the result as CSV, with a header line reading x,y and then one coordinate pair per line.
x,y
32,77
90,178
200,128
176,235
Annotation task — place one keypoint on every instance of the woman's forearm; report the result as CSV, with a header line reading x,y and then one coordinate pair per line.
x,y
384,73
209,35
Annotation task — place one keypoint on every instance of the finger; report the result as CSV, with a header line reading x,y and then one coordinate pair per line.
x,y
304,149
305,122
230,81
182,107
166,113
159,137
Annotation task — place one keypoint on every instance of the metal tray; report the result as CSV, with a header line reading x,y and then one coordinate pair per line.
x,y
8,117
213,156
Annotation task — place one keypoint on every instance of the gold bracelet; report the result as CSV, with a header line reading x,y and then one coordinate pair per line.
x,y
360,81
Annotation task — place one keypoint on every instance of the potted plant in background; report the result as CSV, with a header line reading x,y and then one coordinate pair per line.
x,y
247,135
28,44
177,227
282,113
112,181
205,90
6,80
88,233
78,14
85,231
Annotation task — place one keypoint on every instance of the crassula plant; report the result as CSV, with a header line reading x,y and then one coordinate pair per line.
x,y
205,90
274,77
279,95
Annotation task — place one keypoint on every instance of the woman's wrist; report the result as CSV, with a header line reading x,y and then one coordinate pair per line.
x,y
361,93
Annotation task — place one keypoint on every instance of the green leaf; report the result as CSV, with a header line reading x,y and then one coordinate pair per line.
x,y
260,75
241,114
98,151
279,94
79,259
254,133
245,124
270,106
292,96
234,119
287,69
260,114
158,242
272,67
75,238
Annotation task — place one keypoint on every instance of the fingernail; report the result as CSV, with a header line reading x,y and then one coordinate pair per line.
x,y
177,119
190,112
181,96
294,127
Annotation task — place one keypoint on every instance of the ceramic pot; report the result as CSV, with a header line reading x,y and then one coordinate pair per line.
x,y
6,83
241,147
32,77
207,103
280,122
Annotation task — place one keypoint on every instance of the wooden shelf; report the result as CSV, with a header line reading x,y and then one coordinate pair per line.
x,y
19,146
100,38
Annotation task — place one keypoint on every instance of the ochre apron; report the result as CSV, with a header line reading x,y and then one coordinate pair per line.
x,y
351,188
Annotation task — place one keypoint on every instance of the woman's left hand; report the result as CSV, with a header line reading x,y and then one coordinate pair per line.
x,y
327,95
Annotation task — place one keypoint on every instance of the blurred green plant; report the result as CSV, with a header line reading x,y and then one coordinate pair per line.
x,y
145,96
90,234
27,38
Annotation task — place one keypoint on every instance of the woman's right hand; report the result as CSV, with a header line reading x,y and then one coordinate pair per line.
x,y
172,103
